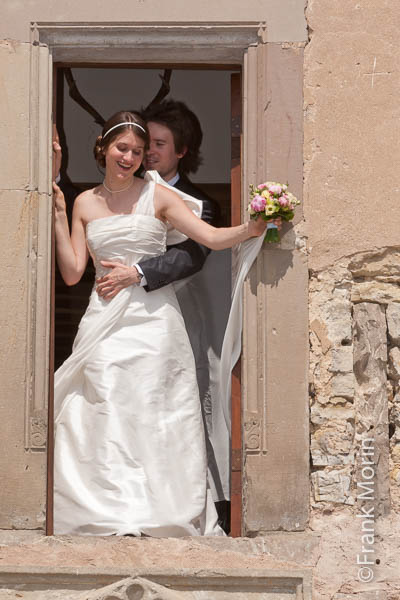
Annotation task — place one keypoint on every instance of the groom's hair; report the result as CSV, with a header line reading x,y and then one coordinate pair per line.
x,y
185,128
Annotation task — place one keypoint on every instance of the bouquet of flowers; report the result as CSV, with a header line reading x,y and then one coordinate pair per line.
x,y
272,200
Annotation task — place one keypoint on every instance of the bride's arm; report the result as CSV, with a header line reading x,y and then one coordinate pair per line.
x,y
71,250
170,207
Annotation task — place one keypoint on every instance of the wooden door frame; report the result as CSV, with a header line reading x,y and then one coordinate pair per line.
x,y
50,421
236,219
236,387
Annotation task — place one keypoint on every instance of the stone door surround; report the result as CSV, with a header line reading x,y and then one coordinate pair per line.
x,y
274,392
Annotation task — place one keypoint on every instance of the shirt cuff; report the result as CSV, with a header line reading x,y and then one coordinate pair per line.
x,y
58,178
143,281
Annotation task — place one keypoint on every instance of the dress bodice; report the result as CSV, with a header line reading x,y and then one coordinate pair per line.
x,y
127,238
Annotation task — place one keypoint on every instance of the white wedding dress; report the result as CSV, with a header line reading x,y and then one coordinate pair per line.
x,y
130,452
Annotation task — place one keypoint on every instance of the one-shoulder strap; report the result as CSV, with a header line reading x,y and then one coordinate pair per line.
x,y
196,206
145,205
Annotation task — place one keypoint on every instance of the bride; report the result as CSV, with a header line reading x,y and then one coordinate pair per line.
x,y
130,453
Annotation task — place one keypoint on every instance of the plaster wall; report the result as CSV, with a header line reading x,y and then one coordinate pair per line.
x,y
351,152
285,18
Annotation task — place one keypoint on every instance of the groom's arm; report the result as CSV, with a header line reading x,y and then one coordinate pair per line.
x,y
180,260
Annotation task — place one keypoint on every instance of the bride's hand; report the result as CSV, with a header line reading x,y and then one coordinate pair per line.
x,y
59,200
120,277
57,154
257,226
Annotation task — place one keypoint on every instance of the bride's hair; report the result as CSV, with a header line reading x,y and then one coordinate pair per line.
x,y
119,123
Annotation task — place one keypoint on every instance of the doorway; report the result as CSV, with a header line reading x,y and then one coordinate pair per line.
x,y
105,88
108,89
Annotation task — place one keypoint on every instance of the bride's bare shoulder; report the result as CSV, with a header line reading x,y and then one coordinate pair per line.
x,y
89,194
87,199
165,194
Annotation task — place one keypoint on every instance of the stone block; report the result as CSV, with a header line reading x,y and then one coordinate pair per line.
x,y
342,360
383,265
325,414
337,316
371,401
342,385
395,474
395,411
332,444
321,459
338,400
330,313
394,364
395,454
370,343
375,291
332,486
393,322
394,418
319,328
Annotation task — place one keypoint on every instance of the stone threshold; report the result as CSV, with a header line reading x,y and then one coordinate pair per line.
x,y
275,567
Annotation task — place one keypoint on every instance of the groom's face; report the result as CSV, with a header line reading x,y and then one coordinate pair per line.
x,y
161,155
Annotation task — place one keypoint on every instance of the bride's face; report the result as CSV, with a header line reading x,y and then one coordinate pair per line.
x,y
124,155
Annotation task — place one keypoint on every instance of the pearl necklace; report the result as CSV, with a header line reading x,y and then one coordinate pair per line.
x,y
117,191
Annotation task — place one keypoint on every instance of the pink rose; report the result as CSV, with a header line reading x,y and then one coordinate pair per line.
x,y
258,203
262,186
275,189
283,200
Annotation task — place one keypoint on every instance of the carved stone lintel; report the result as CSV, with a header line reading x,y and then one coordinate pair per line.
x,y
144,42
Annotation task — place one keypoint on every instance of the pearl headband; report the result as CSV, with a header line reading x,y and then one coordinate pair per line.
x,y
124,123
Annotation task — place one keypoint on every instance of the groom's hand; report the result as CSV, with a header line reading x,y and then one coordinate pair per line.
x,y
120,277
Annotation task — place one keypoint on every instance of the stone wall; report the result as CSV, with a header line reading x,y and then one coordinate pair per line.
x,y
355,374
355,409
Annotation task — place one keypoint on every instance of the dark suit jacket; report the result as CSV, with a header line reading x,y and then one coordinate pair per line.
x,y
186,258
